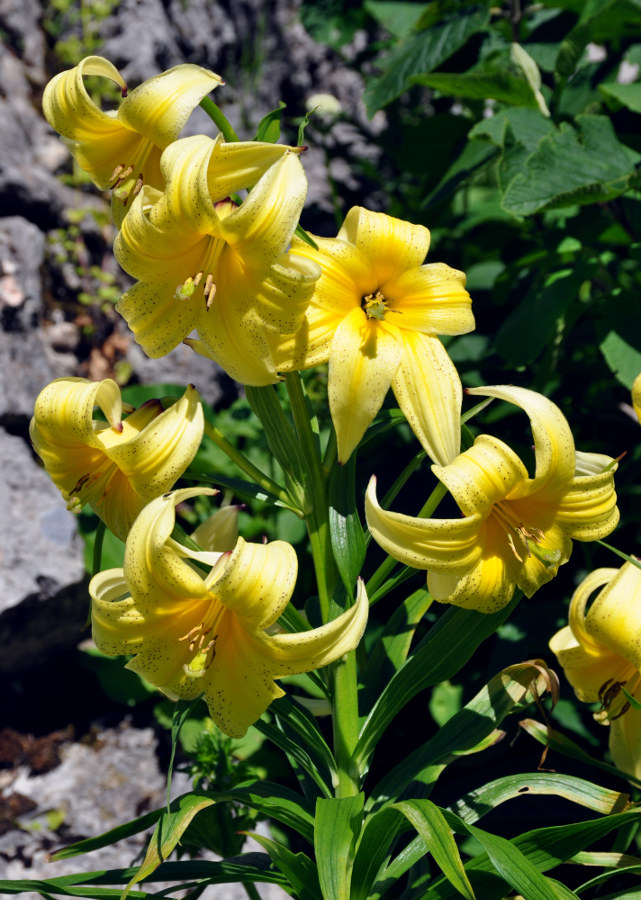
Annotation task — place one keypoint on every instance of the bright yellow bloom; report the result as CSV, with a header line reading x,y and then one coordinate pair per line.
x,y
375,315
119,465
515,530
636,396
601,655
122,150
195,633
204,263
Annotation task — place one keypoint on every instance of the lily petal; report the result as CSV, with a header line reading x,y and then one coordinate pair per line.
x,y
450,545
428,390
588,510
614,619
390,245
625,740
432,299
553,441
365,355
636,396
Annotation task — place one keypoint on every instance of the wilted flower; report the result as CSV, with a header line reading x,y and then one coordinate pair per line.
x,y
196,620
119,465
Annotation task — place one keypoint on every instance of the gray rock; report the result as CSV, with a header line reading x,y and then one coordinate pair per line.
x,y
44,599
95,789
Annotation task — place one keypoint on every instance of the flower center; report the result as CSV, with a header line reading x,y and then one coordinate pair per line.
x,y
614,702
524,540
374,306
201,641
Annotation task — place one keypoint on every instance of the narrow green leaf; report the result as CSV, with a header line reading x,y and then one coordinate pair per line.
x,y
295,722
374,850
245,490
338,826
447,647
168,831
179,717
572,167
423,52
429,822
298,868
477,803
311,778
269,126
142,823
304,235
346,532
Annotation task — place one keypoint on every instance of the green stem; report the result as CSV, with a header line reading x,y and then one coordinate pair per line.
x,y
246,466
252,891
344,673
97,547
221,122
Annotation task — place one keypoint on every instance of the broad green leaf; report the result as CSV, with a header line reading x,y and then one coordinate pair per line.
x,y
445,650
346,532
338,826
620,340
431,825
397,16
530,328
477,803
269,126
474,157
497,85
392,647
298,868
168,831
312,779
514,126
571,167
423,52
628,95
508,691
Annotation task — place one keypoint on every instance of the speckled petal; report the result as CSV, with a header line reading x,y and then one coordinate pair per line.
x,y
553,441
636,396
428,390
431,299
364,357
625,740
614,619
390,245
588,510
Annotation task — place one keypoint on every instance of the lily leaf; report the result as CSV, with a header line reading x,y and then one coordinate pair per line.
x,y
338,826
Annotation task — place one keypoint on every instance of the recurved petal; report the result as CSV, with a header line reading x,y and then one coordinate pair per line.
x,y
64,409
308,346
483,475
284,294
614,619
428,390
290,654
587,668
587,510
235,165
157,455
158,320
364,357
257,581
448,546
157,575
220,531
159,107
262,227
390,245
625,740
431,299
240,682
69,109
553,441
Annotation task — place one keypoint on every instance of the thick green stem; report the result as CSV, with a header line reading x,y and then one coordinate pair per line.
x,y
246,466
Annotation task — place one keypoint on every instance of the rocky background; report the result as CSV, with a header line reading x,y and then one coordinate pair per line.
x,y
71,763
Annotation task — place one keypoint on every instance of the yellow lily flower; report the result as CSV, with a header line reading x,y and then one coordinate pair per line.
x,y
195,633
121,151
375,315
204,263
516,530
636,396
119,465
600,652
